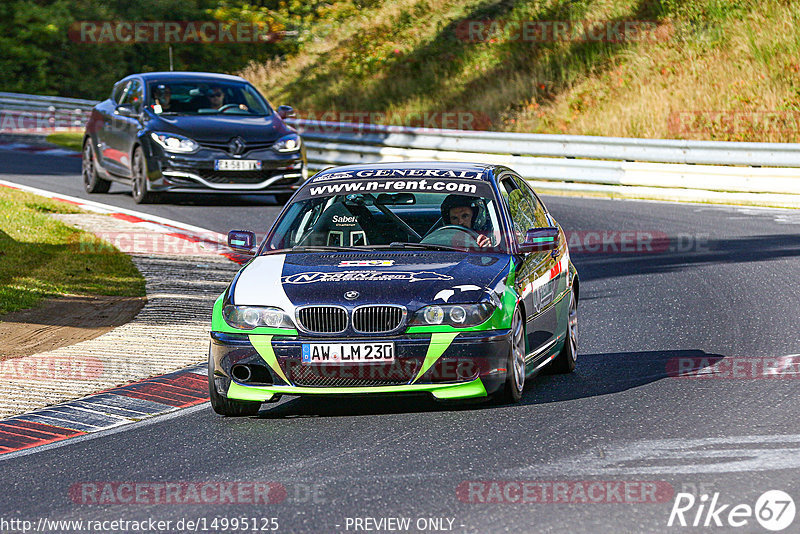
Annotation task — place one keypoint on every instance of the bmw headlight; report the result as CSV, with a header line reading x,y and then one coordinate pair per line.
x,y
458,315
249,317
174,142
288,143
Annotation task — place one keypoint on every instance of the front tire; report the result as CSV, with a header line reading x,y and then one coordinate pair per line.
x,y
565,361
511,390
223,405
139,180
92,182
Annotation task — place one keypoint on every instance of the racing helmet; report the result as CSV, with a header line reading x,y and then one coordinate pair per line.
x,y
459,201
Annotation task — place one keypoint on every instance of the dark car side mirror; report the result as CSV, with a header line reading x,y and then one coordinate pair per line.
x,y
242,241
540,239
286,112
126,110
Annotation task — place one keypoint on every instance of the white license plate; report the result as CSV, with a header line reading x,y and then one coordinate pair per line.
x,y
237,165
345,353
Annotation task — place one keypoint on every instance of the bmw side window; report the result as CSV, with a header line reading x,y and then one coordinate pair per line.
x,y
519,208
539,212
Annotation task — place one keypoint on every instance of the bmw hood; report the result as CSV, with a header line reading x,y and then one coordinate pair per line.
x,y
411,279
223,127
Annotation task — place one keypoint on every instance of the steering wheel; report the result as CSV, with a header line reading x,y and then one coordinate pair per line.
x,y
470,232
232,106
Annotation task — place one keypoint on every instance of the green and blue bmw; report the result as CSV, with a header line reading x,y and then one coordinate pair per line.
x,y
444,279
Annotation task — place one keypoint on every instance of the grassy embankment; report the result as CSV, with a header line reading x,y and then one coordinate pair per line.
x,y
405,56
40,256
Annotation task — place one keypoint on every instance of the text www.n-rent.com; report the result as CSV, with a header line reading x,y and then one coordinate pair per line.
x,y
401,185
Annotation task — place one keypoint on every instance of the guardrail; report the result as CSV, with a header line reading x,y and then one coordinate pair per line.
x,y
20,113
665,169
569,146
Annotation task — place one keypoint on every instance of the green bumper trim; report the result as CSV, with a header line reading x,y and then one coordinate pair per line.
x,y
263,345
466,390
437,346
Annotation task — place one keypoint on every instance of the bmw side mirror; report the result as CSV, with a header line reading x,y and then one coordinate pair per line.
x,y
286,112
242,241
540,239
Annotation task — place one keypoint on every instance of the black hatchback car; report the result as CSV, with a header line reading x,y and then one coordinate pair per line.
x,y
191,132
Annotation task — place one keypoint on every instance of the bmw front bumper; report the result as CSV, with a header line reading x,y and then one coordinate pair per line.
x,y
448,366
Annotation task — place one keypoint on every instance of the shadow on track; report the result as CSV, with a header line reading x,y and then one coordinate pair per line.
x,y
757,248
596,374
197,199
15,163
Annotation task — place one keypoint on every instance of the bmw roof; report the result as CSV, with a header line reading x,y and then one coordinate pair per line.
x,y
481,170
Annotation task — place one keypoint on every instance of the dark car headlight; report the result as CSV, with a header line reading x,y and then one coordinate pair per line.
x,y
458,315
288,143
174,142
250,317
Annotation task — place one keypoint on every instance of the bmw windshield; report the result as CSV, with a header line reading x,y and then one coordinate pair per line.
x,y
384,214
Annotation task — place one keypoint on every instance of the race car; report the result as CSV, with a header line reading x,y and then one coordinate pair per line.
x,y
450,280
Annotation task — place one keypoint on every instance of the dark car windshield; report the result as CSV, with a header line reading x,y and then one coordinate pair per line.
x,y
200,97
398,219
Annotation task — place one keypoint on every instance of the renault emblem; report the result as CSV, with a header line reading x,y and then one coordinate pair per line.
x,y
236,146
352,295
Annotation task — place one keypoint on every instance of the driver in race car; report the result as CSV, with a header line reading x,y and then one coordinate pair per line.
x,y
461,210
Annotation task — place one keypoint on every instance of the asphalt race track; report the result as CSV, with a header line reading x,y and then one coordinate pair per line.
x,y
719,287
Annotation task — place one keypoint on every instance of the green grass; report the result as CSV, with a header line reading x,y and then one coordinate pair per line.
x,y
70,140
404,57
40,256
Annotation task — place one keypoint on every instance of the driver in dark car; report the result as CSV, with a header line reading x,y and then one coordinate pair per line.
x,y
216,96
460,210
163,98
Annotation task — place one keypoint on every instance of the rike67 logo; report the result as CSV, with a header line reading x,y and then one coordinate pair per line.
x,y
774,510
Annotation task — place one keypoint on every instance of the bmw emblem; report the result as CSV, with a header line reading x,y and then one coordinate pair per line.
x,y
236,146
352,295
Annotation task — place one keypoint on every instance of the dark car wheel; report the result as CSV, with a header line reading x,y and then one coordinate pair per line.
x,y
91,180
565,361
139,182
511,391
225,406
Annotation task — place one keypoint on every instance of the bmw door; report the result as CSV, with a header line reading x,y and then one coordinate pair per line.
x,y
535,270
